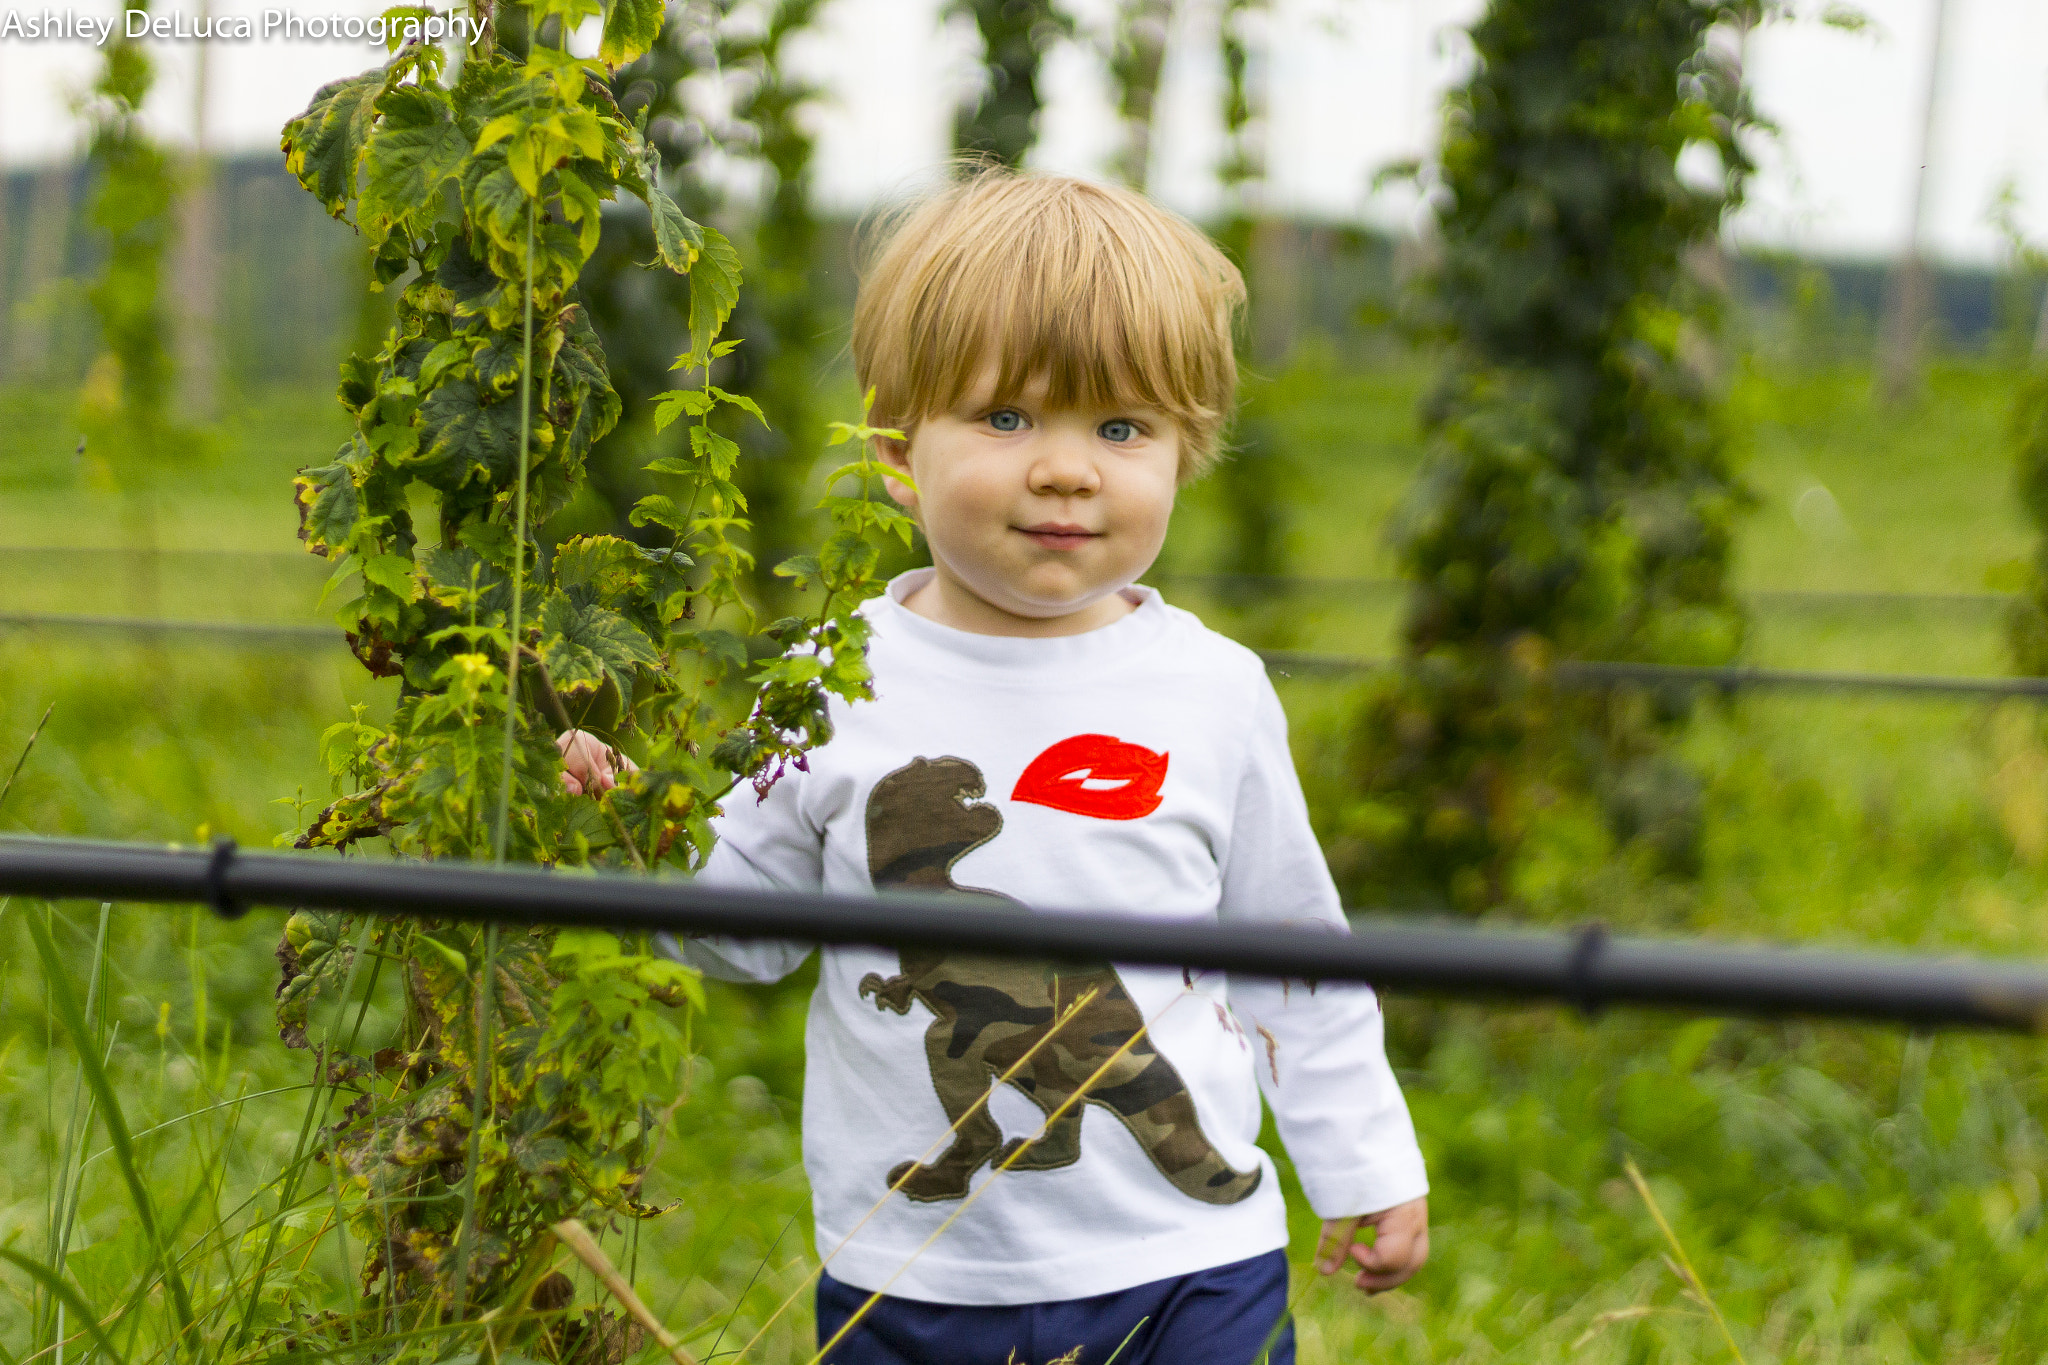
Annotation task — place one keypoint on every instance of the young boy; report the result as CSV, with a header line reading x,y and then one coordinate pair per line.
x,y
1044,731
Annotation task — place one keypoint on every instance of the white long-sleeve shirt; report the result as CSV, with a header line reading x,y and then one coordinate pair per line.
x,y
1142,769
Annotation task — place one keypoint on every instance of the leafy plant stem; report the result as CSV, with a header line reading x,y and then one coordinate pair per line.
x,y
480,1106
518,557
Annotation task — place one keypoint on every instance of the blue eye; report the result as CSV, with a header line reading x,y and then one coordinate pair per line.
x,y
1118,431
1005,419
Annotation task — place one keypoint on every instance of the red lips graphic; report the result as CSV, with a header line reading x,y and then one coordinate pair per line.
x,y
1061,777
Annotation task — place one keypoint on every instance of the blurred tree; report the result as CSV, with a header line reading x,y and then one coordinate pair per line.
x,y
1911,295
1578,499
782,321
1253,478
197,261
124,405
1136,55
125,400
1002,121
2027,621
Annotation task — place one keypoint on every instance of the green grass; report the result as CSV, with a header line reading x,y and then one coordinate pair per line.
x,y
1847,1194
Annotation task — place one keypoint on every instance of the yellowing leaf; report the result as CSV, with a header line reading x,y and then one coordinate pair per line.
x,y
415,149
677,240
323,146
630,29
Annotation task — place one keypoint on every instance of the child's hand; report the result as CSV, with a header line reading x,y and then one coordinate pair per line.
x,y
589,764
1395,1254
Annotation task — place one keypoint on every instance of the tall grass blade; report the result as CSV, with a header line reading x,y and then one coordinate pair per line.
x,y
578,1239
69,1178
1693,1280
34,735
61,1290
1128,1338
95,1074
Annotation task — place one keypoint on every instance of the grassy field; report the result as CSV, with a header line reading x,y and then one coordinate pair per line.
x,y
1853,1195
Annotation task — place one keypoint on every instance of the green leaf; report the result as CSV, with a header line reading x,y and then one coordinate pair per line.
x,y
394,574
677,403
677,240
722,645
416,148
328,507
446,953
740,401
714,289
495,200
609,636
848,555
661,510
491,539
802,568
323,146
719,453
630,30
463,434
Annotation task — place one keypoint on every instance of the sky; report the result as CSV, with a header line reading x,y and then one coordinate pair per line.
x,y
1351,86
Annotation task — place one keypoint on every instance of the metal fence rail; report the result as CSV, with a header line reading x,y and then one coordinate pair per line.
x,y
1592,675
1587,969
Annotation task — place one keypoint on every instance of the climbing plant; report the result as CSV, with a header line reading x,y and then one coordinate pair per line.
x,y
125,403
759,115
1578,500
1136,56
1251,480
531,1074
1002,120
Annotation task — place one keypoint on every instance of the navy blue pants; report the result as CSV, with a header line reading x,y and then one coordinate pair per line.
x,y
1212,1317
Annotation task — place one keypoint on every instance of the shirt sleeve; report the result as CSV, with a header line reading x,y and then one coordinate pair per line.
x,y
762,846
1319,1046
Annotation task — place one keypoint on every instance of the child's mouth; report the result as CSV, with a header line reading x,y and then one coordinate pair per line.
x,y
1059,535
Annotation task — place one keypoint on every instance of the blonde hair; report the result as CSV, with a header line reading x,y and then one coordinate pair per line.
x,y
1109,298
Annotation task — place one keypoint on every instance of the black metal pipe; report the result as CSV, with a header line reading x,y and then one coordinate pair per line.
x,y
1588,969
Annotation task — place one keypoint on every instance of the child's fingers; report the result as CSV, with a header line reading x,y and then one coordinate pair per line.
x,y
1399,1248
1336,1244
1390,1261
589,763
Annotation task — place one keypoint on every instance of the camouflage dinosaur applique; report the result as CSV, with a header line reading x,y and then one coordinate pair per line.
x,y
921,820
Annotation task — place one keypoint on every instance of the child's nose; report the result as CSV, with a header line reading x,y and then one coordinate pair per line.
x,y
1064,467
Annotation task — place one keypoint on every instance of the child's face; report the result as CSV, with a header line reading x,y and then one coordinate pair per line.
x,y
1037,516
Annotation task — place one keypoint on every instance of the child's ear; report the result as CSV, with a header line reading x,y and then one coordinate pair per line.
x,y
896,455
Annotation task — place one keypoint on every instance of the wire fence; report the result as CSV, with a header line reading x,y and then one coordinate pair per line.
x,y
1582,674
1250,585
1587,969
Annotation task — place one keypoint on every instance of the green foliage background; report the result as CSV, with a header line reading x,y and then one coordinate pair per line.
x,y
1849,1195
1580,501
